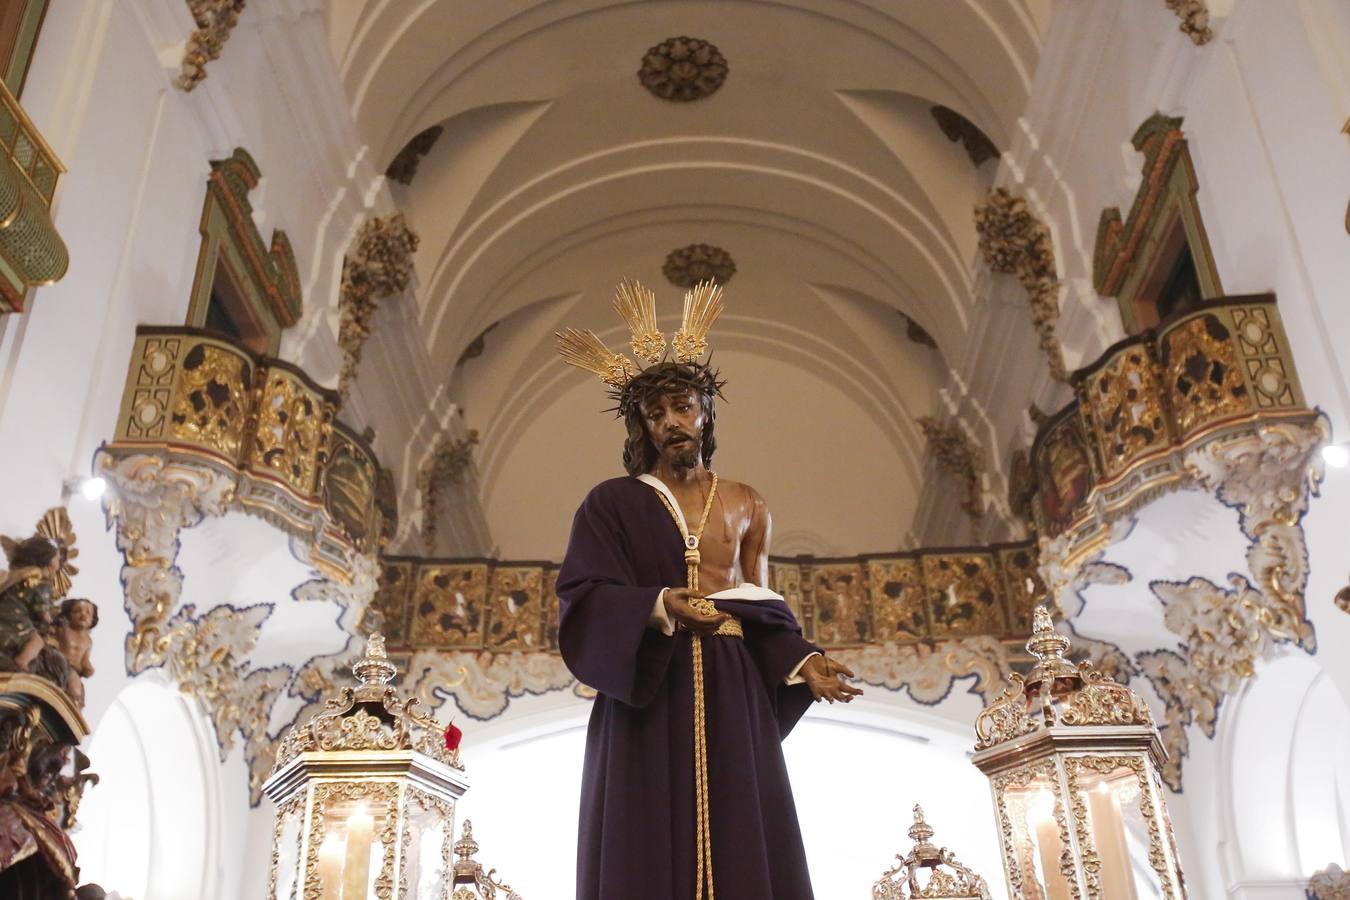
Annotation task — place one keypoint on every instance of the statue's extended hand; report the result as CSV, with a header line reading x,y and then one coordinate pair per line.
x,y
682,610
823,675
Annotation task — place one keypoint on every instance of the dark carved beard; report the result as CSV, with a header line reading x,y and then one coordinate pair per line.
x,y
685,457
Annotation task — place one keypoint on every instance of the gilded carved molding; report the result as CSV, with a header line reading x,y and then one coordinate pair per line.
x,y
379,266
957,455
1194,16
207,428
215,20
1014,241
448,465
485,631
1224,633
1197,404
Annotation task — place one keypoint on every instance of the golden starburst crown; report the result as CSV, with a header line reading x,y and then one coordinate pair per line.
x,y
636,305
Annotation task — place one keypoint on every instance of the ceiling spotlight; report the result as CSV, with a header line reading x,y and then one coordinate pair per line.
x,y
1336,455
90,489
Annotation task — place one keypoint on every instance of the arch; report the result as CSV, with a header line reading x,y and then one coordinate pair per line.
x,y
1286,779
151,828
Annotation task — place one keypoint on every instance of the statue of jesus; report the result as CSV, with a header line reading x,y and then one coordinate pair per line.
x,y
700,670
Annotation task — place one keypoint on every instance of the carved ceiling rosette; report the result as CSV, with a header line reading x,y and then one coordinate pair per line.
x,y
1014,241
682,69
689,266
379,266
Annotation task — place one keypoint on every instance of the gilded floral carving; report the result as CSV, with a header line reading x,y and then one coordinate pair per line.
x,y
211,399
379,266
959,456
1194,16
448,465
1014,241
1126,408
1201,367
215,20
483,683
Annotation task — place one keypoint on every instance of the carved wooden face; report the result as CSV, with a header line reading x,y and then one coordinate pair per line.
x,y
674,423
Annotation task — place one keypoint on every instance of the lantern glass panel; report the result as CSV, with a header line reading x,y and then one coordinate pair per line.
x,y
1113,803
1037,837
288,867
352,854
428,853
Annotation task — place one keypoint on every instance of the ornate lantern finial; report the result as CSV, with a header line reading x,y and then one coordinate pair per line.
x,y
374,669
1073,759
469,872
901,881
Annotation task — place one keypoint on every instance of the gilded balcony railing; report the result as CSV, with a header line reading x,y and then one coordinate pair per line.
x,y
1152,398
31,252
923,596
201,399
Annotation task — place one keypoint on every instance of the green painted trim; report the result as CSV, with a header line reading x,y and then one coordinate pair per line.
x,y
29,27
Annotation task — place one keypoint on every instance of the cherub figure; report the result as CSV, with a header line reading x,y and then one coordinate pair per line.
x,y
77,617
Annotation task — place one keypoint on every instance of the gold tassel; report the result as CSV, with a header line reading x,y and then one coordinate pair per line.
x,y
585,350
702,306
636,305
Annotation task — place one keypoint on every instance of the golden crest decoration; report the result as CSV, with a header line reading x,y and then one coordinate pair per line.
x,y
55,525
636,305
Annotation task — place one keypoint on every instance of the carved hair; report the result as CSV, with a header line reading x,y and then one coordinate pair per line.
x,y
37,551
68,607
639,454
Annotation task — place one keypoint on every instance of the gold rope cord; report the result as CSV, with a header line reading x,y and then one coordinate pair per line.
x,y
703,810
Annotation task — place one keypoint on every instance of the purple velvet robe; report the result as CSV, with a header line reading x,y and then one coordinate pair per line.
x,y
637,835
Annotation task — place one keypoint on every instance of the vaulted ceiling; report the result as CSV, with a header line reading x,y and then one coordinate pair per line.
x,y
817,165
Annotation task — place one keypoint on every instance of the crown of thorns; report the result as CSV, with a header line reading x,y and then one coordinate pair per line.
x,y
627,382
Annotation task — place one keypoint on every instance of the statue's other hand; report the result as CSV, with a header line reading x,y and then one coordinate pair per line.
x,y
825,678
680,605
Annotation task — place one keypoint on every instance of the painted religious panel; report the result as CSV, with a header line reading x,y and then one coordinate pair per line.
x,y
349,487
964,594
838,605
448,604
516,608
898,603
1063,472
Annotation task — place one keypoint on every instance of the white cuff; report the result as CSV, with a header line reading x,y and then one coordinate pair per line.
x,y
660,618
795,676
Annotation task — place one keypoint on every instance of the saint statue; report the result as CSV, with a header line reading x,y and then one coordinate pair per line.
x,y
700,670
